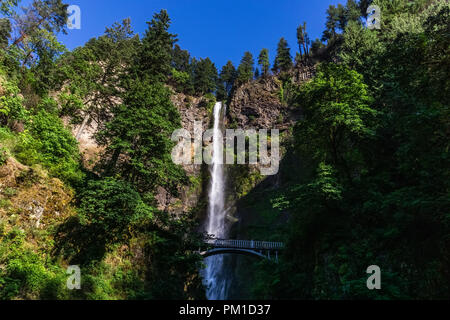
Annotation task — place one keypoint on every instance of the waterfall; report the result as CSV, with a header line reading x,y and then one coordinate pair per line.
x,y
214,274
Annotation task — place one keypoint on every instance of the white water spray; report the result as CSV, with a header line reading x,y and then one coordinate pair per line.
x,y
214,277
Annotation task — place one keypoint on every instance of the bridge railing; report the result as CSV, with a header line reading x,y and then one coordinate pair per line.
x,y
245,244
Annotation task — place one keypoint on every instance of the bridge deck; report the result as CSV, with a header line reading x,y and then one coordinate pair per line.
x,y
245,244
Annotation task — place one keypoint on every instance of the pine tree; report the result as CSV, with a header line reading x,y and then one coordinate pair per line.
x,y
303,41
221,93
181,59
205,77
331,24
156,53
337,18
6,6
181,74
245,69
283,60
5,32
137,139
352,11
98,87
34,31
228,76
263,61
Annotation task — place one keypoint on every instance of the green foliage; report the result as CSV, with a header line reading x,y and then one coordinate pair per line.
x,y
92,89
28,274
283,60
11,104
7,6
111,206
372,189
205,76
182,80
263,61
5,32
336,110
182,70
156,52
245,69
208,102
228,76
118,82
35,44
138,141
48,142
365,179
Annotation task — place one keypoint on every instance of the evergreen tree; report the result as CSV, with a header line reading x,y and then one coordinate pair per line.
x,y
332,23
245,69
338,18
182,76
181,59
316,45
303,41
283,60
91,90
221,93
7,7
40,15
34,31
156,52
352,11
263,61
205,76
137,139
5,32
228,76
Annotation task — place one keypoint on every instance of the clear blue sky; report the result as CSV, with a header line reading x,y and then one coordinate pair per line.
x,y
222,30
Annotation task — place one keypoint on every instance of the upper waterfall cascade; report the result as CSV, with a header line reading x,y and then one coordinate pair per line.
x,y
214,275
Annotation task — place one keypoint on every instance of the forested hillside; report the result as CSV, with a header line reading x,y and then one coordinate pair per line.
x,y
55,211
364,179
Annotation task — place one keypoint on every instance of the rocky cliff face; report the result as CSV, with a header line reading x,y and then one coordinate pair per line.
x,y
259,104
191,109
30,198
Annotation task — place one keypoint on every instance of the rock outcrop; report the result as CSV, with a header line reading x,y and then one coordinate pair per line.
x,y
32,198
259,104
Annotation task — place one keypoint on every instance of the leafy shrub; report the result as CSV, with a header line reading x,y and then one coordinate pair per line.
x,y
49,105
26,273
7,138
11,107
48,142
208,102
182,81
111,206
